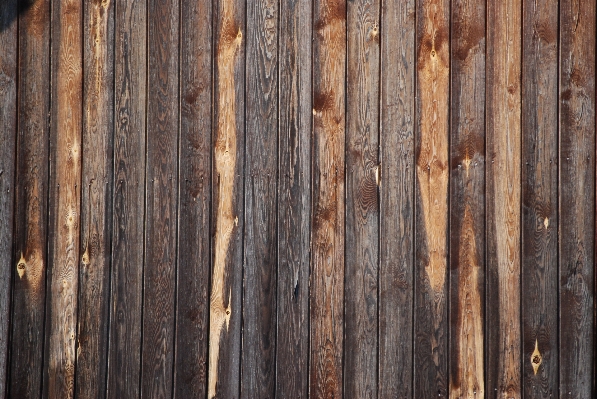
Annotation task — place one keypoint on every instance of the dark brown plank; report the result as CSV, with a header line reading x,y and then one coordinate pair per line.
x,y
159,278
540,198
96,203
192,303
397,210
261,224
65,198
294,199
225,319
577,198
431,217
467,208
327,240
130,74
31,211
362,200
503,108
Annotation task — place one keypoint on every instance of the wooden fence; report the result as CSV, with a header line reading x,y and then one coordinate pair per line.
x,y
292,199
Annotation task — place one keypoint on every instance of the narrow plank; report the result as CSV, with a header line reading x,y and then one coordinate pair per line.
x,y
503,109
294,199
8,133
31,210
327,241
577,198
96,202
362,200
65,198
540,198
128,212
260,180
192,302
396,270
159,278
467,208
431,217
225,318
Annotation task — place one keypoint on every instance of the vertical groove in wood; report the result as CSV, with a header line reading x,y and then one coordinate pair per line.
x,y
294,198
540,198
362,202
327,242
467,189
431,217
504,356
577,198
397,212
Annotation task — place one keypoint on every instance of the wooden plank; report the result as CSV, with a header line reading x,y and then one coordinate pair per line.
x,y
96,203
8,132
467,208
130,87
397,210
540,198
260,180
294,199
159,279
192,303
431,217
31,210
65,198
362,200
225,318
503,108
577,198
327,242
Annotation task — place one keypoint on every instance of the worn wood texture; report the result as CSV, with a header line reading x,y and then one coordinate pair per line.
x,y
467,208
396,270
577,198
504,356
362,200
431,212
540,198
192,310
294,199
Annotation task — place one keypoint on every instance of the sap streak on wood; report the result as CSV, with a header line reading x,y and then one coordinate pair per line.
x,y
96,205
577,198
540,197
159,285
504,356
327,251
362,212
467,190
433,81
225,301
129,193
397,199
294,199
192,309
260,235
65,197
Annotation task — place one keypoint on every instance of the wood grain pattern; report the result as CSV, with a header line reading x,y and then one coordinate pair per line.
x,y
65,198
504,355
128,212
577,198
467,210
194,258
294,199
431,218
362,200
540,197
396,270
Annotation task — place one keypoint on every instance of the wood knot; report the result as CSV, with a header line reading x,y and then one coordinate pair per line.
x,y
536,358
21,266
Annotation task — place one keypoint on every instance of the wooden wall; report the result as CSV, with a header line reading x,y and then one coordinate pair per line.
x,y
293,198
